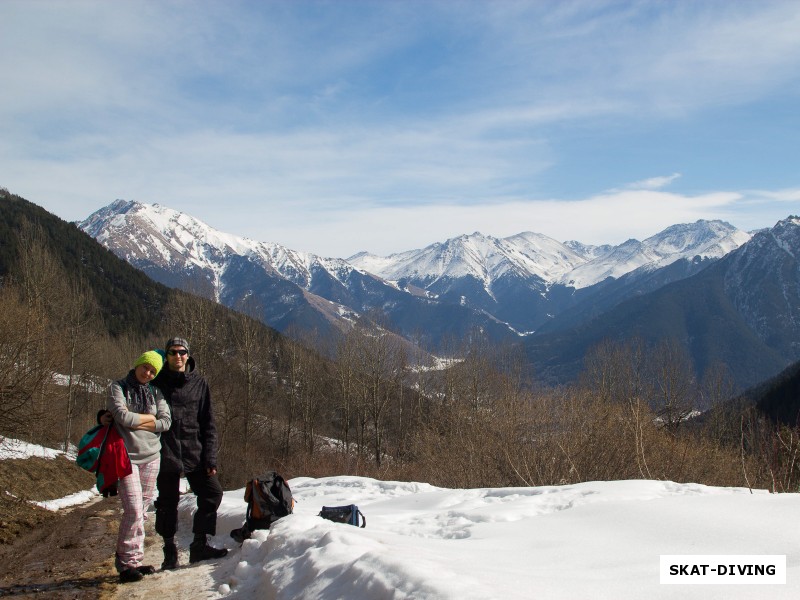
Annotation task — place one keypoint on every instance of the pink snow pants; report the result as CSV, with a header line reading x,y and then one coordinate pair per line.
x,y
136,493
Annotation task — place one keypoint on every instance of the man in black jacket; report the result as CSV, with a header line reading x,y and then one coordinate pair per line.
x,y
188,448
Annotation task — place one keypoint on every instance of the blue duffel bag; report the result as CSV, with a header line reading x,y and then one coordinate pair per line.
x,y
344,514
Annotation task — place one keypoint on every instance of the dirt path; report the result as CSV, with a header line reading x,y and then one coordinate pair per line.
x,y
72,556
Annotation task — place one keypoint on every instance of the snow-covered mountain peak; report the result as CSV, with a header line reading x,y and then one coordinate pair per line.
x,y
480,256
784,235
174,236
156,235
588,251
706,239
789,225
509,279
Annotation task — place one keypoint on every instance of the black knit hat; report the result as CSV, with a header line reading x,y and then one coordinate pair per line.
x,y
176,341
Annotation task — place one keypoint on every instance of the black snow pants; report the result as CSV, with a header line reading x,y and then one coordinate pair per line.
x,y
209,496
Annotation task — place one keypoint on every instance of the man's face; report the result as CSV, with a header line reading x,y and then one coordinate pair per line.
x,y
176,358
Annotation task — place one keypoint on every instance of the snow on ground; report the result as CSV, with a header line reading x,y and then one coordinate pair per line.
x,y
587,540
11,448
71,500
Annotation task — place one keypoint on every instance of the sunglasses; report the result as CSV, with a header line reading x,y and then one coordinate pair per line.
x,y
178,352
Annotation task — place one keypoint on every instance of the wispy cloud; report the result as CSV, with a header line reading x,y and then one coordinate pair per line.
x,y
789,195
607,218
653,183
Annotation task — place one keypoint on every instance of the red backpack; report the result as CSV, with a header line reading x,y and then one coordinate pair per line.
x,y
102,451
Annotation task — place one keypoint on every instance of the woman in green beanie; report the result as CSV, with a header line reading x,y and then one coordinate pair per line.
x,y
140,414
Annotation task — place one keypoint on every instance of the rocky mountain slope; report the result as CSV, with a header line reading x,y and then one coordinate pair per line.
x,y
742,311
724,296
507,287
285,288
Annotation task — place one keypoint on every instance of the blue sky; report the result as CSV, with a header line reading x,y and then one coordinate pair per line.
x,y
334,127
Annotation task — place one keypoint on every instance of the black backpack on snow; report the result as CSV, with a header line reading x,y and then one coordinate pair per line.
x,y
268,499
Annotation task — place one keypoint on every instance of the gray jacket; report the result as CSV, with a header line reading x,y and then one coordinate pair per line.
x,y
128,399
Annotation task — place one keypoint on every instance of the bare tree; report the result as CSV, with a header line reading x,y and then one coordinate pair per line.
x,y
292,367
191,317
314,394
24,374
723,409
616,372
252,361
38,274
78,319
346,381
381,359
674,384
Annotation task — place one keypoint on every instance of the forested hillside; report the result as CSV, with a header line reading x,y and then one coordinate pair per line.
x,y
778,397
128,300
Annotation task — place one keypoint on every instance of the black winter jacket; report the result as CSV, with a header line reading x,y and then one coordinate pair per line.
x,y
191,443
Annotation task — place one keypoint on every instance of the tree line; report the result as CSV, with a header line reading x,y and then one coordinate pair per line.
x,y
370,403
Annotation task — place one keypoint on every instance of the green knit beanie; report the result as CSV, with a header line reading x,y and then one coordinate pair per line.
x,y
152,358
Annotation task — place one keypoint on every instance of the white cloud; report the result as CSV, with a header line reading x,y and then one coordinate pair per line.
x,y
301,190
727,53
788,195
608,218
653,183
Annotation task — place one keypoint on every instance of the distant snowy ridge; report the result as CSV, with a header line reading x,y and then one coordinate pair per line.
x,y
535,255
704,239
506,288
162,235
483,257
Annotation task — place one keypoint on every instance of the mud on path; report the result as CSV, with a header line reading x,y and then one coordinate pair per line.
x,y
70,555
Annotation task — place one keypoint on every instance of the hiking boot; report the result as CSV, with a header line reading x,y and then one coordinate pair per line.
x,y
130,575
202,551
146,569
170,557
241,534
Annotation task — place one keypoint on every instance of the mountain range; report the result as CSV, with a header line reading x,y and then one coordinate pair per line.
x,y
703,283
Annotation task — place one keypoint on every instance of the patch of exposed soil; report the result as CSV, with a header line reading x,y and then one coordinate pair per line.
x,y
22,480
69,555
59,555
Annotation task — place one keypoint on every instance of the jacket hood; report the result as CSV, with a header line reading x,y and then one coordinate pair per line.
x,y
190,365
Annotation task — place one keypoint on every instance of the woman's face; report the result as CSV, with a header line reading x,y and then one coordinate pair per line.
x,y
144,373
